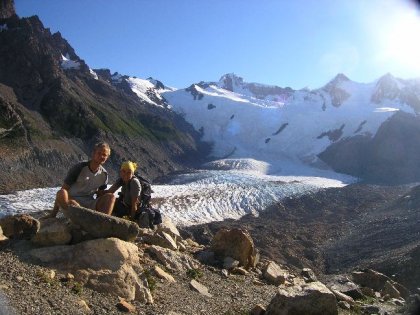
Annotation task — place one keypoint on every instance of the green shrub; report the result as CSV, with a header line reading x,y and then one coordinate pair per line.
x,y
194,273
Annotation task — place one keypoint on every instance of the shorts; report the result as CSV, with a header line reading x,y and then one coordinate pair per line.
x,y
86,202
120,209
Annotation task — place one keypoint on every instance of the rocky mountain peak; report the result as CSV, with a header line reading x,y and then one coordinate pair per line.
x,y
386,87
7,9
338,94
339,78
229,81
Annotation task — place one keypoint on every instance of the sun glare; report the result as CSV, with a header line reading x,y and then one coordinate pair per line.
x,y
400,47
403,43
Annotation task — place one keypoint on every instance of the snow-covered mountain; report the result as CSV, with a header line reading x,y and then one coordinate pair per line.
x,y
281,125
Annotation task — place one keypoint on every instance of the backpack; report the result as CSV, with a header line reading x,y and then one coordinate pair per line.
x,y
154,216
146,191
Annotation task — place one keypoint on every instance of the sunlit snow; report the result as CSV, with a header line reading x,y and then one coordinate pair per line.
x,y
67,63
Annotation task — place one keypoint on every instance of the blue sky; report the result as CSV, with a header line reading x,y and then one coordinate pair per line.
x,y
300,43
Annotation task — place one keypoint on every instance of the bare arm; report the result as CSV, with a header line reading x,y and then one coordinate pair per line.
x,y
133,209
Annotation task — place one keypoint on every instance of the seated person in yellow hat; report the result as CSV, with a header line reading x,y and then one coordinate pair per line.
x,y
127,203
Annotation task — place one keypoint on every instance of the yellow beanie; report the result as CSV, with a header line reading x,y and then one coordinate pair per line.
x,y
128,165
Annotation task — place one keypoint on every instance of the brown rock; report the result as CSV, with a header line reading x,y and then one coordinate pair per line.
x,y
20,226
235,243
163,274
124,306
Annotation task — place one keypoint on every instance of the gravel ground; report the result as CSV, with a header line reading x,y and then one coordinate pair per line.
x,y
27,289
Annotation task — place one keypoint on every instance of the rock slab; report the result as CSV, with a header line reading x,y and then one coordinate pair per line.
x,y
101,225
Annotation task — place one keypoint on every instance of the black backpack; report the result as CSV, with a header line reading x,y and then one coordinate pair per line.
x,y
146,192
154,216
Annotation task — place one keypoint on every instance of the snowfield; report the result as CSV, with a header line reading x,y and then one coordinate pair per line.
x,y
225,189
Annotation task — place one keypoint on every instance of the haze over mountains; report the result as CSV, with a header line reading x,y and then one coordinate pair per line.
x,y
54,107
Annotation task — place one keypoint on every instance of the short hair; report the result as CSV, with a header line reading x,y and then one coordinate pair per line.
x,y
100,145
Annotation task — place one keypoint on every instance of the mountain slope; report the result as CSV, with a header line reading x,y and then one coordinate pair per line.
x,y
56,107
273,124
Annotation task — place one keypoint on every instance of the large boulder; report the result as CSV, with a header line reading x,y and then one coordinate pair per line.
x,y
235,243
105,265
53,232
172,260
20,226
379,282
312,298
101,225
370,278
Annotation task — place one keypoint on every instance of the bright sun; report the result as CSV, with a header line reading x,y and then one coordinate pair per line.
x,y
403,45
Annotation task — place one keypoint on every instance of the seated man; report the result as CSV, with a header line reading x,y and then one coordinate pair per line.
x,y
83,181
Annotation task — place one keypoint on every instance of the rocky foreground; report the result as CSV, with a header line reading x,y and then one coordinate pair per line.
x,y
57,266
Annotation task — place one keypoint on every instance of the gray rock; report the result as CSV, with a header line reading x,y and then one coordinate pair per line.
x,y
161,239
53,232
312,298
101,225
200,288
172,260
274,274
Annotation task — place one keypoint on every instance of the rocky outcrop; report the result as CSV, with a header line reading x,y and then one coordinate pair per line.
x,y
7,9
108,267
389,157
101,225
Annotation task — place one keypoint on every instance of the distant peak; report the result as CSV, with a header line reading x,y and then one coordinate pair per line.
x,y
341,77
7,9
387,77
229,81
158,84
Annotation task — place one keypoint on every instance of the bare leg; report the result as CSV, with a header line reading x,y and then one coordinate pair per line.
x,y
105,203
61,200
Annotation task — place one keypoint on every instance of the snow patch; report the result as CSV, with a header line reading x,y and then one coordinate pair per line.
x,y
385,109
94,74
67,63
